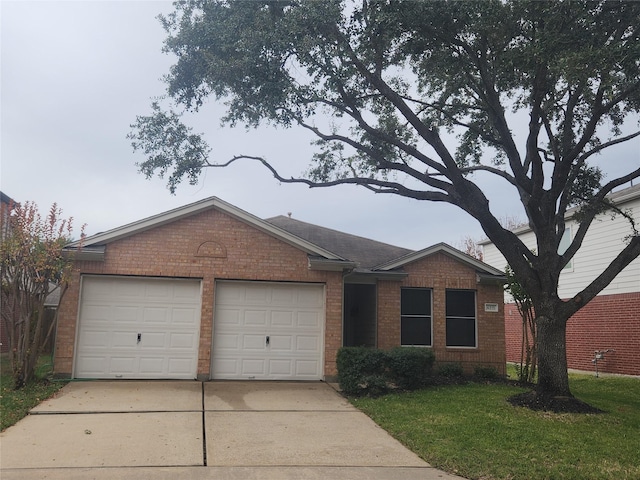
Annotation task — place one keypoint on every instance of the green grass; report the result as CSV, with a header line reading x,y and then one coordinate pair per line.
x,y
471,430
15,404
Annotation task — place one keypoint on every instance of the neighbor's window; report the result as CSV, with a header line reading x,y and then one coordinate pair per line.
x,y
415,319
461,318
565,241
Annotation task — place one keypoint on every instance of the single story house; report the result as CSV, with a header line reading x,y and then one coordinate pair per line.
x,y
210,291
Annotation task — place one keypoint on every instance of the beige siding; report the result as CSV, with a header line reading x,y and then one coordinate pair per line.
x,y
604,240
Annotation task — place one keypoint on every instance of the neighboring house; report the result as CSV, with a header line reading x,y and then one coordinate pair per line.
x,y
210,291
6,203
610,322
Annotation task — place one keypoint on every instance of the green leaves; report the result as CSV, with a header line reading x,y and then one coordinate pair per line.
x,y
164,138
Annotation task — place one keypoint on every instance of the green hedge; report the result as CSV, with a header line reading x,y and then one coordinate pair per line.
x,y
369,371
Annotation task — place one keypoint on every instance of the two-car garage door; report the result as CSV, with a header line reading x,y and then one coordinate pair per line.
x,y
136,327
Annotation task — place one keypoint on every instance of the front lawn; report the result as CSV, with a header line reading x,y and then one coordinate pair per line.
x,y
472,430
15,404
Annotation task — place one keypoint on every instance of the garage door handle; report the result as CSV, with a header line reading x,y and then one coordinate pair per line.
x,y
267,339
139,337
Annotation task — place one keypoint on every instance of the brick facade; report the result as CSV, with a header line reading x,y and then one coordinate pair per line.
x,y
607,322
440,272
175,250
212,245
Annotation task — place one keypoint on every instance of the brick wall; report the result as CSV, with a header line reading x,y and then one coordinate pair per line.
x,y
208,246
607,322
440,272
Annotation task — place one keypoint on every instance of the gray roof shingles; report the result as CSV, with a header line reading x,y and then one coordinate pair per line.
x,y
366,253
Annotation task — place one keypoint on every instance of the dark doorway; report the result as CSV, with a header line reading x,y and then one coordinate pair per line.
x,y
359,315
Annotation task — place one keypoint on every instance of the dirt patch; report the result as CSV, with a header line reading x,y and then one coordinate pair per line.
x,y
550,403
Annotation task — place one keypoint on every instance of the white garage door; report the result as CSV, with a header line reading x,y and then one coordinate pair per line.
x,y
132,327
268,331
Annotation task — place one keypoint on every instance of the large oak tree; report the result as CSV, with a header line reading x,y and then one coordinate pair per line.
x,y
385,85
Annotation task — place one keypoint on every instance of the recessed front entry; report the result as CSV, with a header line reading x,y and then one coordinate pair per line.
x,y
268,331
138,327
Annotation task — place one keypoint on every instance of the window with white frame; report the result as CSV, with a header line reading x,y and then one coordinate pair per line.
x,y
460,314
415,317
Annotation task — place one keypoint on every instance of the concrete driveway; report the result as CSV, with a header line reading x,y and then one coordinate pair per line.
x,y
225,430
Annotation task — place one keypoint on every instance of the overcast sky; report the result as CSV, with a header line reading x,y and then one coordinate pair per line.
x,y
76,74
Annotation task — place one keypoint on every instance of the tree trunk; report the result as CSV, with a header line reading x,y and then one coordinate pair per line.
x,y
553,379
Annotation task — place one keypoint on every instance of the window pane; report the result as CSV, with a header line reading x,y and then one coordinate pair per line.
x,y
461,332
461,303
415,301
415,331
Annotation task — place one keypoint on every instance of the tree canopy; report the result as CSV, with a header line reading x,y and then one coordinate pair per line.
x,y
532,90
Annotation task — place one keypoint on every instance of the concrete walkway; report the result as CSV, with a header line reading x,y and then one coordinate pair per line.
x,y
225,430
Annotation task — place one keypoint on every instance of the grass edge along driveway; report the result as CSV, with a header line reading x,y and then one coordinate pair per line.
x,y
471,430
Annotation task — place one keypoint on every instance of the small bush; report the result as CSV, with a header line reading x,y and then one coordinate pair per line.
x,y
486,372
450,370
361,370
369,371
409,367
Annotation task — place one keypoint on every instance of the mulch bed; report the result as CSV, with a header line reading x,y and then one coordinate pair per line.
x,y
551,403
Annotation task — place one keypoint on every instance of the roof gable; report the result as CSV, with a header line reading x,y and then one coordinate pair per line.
x,y
474,263
170,216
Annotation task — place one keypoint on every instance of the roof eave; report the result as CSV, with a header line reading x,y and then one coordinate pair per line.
x,y
197,207
440,248
369,276
85,254
330,265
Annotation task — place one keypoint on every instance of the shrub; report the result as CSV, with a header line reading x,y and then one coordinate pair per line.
x,y
486,372
409,367
361,371
450,370
369,371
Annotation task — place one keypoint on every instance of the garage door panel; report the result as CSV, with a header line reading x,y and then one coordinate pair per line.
x,y
157,315
307,343
95,338
279,343
306,368
228,316
121,364
114,311
123,339
97,312
255,295
281,367
255,318
188,341
230,341
181,366
94,364
185,316
283,295
154,340
253,343
152,365
308,319
291,315
124,314
253,367
282,319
